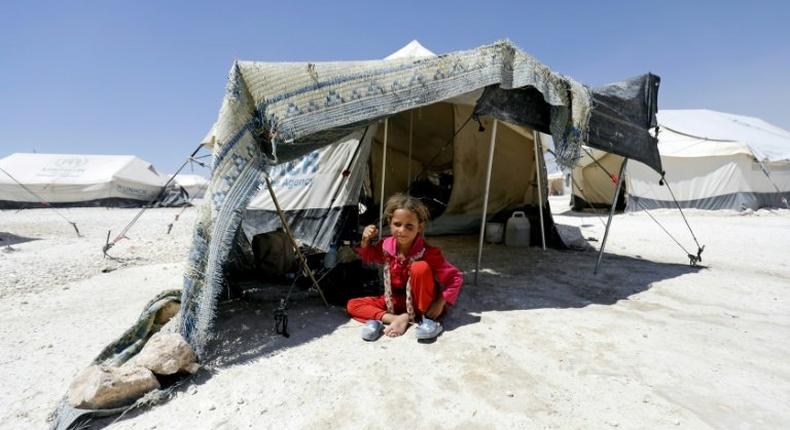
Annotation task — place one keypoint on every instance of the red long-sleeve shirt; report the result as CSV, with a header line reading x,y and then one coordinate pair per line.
x,y
449,277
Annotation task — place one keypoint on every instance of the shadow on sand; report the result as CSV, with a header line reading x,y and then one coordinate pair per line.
x,y
8,239
510,279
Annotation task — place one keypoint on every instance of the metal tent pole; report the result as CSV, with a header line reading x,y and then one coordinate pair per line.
x,y
287,229
491,147
383,177
538,171
611,214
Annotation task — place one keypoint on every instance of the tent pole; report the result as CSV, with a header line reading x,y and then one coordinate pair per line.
x,y
383,177
491,147
611,214
411,139
287,229
538,172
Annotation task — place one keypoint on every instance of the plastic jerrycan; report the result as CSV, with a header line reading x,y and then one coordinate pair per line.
x,y
517,231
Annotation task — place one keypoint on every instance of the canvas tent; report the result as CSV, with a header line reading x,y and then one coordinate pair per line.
x,y
715,160
276,113
30,180
712,160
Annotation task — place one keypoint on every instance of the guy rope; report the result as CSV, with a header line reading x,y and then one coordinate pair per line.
x,y
122,235
43,202
201,164
693,259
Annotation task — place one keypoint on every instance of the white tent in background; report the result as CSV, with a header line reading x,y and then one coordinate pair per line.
x,y
714,160
195,185
412,49
29,180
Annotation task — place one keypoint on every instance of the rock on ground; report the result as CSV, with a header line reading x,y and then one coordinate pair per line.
x,y
166,354
101,387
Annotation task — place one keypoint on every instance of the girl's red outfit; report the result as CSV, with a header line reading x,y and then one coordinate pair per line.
x,y
423,264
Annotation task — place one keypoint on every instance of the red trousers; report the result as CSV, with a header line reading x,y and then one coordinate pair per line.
x,y
423,293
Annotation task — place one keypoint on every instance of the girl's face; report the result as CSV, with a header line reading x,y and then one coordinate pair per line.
x,y
405,226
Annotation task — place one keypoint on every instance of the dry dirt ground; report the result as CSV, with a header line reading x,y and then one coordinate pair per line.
x,y
540,342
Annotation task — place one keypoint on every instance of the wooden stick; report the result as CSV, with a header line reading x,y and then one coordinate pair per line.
x,y
287,229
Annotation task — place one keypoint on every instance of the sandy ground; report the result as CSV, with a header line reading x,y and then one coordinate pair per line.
x,y
541,342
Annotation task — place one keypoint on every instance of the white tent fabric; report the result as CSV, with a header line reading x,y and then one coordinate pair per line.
x,y
74,179
313,190
311,181
195,185
694,133
714,160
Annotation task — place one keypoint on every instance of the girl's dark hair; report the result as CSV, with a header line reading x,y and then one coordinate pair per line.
x,y
403,201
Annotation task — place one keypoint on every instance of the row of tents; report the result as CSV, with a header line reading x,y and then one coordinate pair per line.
x,y
711,160
68,180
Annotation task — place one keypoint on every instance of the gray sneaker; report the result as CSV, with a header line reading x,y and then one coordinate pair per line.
x,y
428,329
372,330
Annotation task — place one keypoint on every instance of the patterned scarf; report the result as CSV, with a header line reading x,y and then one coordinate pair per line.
x,y
388,284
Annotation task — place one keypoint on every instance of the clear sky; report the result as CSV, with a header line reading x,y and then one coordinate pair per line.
x,y
147,77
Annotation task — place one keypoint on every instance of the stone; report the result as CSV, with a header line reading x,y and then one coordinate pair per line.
x,y
104,387
166,354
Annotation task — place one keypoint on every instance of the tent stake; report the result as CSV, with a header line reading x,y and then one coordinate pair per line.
x,y
491,147
383,178
287,229
611,214
538,172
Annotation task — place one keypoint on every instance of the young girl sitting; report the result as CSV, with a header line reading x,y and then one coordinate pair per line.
x,y
410,267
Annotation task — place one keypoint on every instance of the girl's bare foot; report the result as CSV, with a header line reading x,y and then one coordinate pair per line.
x,y
398,326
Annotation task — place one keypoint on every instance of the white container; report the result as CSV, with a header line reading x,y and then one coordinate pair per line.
x,y
495,232
517,231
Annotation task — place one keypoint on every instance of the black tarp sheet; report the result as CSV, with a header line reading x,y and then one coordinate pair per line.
x,y
620,121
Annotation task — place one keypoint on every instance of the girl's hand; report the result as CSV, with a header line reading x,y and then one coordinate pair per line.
x,y
370,232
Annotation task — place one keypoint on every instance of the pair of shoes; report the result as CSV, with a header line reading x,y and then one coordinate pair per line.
x,y
428,329
372,330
